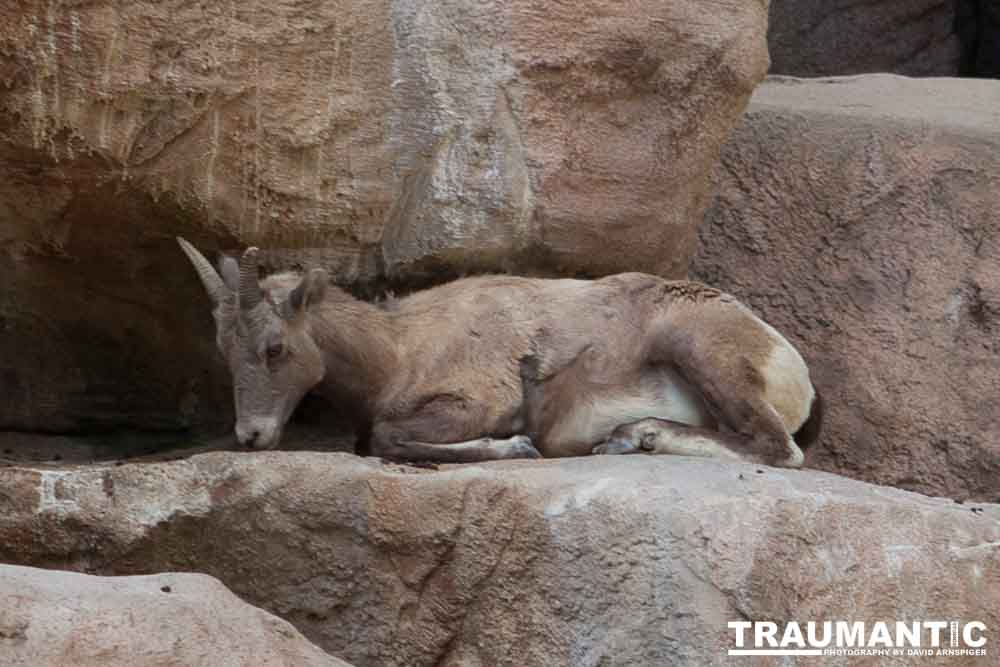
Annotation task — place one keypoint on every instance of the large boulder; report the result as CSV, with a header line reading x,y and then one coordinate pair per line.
x,y
861,217
836,37
627,560
55,619
391,142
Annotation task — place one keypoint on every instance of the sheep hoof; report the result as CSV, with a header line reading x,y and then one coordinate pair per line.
x,y
793,460
521,448
616,446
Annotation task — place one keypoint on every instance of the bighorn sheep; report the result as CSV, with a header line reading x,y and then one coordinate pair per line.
x,y
492,367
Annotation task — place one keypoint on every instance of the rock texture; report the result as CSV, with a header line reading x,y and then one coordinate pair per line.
x,y
836,37
593,561
391,142
861,217
53,619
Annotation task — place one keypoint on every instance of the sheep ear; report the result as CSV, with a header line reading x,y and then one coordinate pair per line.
x,y
309,291
230,272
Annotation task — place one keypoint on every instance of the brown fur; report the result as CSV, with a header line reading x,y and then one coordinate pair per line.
x,y
492,357
444,365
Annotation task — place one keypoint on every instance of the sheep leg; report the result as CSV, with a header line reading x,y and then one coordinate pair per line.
x,y
447,429
660,436
470,451
759,428
734,393
407,440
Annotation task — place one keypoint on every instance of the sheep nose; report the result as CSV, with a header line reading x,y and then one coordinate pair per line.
x,y
248,438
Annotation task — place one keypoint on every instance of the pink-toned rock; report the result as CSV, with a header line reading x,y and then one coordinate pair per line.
x,y
55,619
387,141
861,217
628,560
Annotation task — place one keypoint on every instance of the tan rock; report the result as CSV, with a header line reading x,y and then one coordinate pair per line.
x,y
627,560
54,619
387,141
861,217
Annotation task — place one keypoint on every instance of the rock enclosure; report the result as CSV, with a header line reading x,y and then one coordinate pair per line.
x,y
859,215
53,619
390,142
401,143
626,560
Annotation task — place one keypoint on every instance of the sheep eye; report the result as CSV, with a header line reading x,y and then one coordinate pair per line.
x,y
274,350
647,442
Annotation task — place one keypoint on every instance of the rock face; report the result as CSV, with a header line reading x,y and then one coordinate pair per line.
x,y
64,618
593,561
391,142
861,217
836,37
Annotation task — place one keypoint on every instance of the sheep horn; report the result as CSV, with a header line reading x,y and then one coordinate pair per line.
x,y
250,294
216,289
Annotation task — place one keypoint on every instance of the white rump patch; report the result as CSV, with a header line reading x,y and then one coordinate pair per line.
x,y
787,385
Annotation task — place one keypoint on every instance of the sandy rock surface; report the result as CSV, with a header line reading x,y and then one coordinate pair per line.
x,y
56,619
593,561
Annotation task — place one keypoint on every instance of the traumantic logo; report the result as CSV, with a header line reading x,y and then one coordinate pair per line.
x,y
899,638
